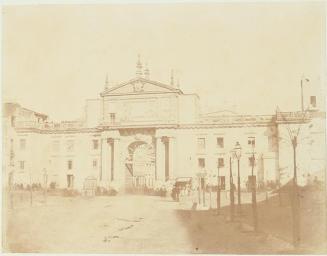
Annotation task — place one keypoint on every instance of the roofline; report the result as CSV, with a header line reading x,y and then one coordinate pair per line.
x,y
237,115
172,89
58,131
147,126
137,93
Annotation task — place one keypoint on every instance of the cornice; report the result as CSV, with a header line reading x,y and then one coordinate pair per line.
x,y
61,131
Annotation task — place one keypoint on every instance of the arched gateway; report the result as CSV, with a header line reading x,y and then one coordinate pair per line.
x,y
140,165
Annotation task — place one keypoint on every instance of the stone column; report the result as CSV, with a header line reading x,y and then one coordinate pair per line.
x,y
118,164
160,160
165,141
172,157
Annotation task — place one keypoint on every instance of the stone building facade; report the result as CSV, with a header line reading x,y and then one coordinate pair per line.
x,y
146,132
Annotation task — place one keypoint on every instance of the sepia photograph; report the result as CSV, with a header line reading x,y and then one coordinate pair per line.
x,y
152,127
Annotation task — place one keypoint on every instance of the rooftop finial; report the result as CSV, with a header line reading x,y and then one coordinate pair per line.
x,y
172,77
146,71
138,66
106,85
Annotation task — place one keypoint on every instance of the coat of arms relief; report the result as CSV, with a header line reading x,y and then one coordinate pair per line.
x,y
138,87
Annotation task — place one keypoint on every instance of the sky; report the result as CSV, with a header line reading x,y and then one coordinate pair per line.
x,y
246,57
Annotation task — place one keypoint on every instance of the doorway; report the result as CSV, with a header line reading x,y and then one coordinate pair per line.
x,y
70,181
140,164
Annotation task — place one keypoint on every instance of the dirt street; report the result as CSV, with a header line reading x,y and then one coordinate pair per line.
x,y
128,224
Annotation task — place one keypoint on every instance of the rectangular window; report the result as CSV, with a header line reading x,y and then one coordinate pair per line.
x,y
251,141
95,144
70,145
70,164
313,101
201,144
56,146
22,144
220,142
22,165
112,118
221,162
95,164
201,162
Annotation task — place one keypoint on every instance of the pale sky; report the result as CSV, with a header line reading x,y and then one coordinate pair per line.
x,y
248,55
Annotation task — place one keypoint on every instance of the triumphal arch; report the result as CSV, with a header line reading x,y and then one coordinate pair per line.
x,y
139,122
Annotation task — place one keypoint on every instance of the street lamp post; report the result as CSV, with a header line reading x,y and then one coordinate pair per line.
x,y
254,193
302,107
204,191
210,191
231,188
11,188
218,191
237,153
45,173
199,190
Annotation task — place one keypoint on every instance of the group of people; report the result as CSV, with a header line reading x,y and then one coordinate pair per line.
x,y
34,186
181,190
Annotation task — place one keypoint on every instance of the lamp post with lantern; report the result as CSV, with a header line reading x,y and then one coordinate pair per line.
x,y
231,184
237,154
203,185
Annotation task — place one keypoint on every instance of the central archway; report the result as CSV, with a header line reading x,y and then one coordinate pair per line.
x,y
140,164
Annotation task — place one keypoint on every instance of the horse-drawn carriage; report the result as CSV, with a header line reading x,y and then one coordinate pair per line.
x,y
182,186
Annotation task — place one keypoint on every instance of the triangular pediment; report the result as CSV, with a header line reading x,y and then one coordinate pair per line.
x,y
140,86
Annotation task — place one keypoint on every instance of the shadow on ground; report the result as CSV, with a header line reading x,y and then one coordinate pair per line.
x,y
210,233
